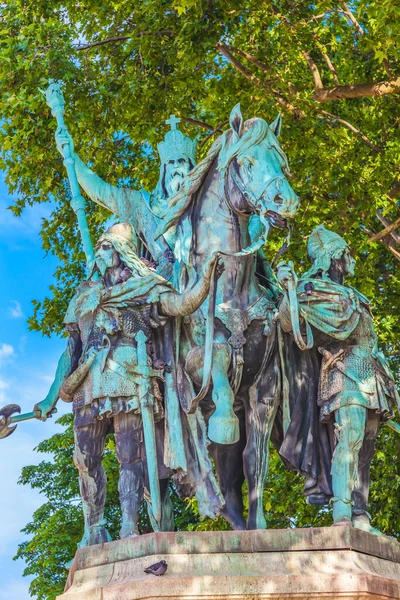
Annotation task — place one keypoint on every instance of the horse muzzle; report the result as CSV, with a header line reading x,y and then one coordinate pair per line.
x,y
276,220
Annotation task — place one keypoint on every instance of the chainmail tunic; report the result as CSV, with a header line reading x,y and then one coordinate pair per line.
x,y
353,372
103,392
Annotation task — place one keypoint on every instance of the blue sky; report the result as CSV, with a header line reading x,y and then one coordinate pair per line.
x,y
27,365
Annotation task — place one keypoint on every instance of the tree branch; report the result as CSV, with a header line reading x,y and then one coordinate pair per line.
x,y
387,68
358,90
123,38
351,17
371,234
314,70
218,128
388,230
320,16
110,40
225,50
250,58
394,190
385,222
331,67
395,252
197,123
352,128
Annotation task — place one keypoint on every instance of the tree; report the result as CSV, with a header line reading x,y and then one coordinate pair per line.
x,y
332,68
126,68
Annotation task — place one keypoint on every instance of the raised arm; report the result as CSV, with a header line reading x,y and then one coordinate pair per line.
x,y
130,206
180,305
99,191
66,364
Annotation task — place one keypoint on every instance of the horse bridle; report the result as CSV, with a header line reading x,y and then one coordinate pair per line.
x,y
247,194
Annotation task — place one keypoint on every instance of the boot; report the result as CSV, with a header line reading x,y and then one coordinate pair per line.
x,y
363,522
341,512
93,487
130,489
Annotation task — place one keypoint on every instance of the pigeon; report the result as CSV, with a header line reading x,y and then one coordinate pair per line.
x,y
157,569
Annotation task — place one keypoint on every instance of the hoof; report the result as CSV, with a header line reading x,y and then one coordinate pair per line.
x,y
259,523
224,429
235,520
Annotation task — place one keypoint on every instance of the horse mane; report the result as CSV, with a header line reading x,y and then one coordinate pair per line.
x,y
227,147
256,131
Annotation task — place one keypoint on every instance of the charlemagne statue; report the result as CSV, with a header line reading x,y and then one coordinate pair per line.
x,y
138,207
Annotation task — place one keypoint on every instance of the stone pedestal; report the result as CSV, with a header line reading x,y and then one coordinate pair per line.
x,y
303,564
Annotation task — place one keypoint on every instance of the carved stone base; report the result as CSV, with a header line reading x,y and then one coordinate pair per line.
x,y
304,564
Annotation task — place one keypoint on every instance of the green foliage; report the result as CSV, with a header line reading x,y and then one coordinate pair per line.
x,y
167,59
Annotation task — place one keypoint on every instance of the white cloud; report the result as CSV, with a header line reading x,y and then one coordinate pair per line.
x,y
6,350
15,311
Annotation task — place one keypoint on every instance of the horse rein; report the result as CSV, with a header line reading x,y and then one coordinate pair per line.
x,y
252,249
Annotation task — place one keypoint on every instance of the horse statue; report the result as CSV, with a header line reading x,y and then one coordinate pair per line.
x,y
228,348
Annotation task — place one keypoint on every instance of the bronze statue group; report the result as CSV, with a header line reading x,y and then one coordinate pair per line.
x,y
185,344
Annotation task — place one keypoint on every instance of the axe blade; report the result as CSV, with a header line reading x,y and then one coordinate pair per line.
x,y
5,414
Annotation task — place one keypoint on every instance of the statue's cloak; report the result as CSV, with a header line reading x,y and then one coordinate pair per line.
x,y
330,307
308,444
333,311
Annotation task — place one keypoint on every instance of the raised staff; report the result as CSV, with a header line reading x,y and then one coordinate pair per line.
x,y
55,100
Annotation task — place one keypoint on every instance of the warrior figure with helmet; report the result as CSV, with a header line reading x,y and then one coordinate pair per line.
x,y
356,389
111,371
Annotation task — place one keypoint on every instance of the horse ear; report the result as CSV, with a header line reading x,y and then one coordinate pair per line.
x,y
276,125
236,120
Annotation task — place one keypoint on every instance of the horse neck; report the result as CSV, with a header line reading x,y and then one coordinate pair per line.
x,y
218,228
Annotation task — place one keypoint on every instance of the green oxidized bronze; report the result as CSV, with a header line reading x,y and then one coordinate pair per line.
x,y
191,352
111,372
138,207
226,205
356,389
228,348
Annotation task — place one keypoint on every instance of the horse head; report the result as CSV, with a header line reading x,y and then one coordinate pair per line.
x,y
258,168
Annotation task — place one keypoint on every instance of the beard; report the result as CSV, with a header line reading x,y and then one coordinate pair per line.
x,y
175,182
101,265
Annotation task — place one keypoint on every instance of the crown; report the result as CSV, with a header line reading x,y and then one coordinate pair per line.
x,y
176,143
